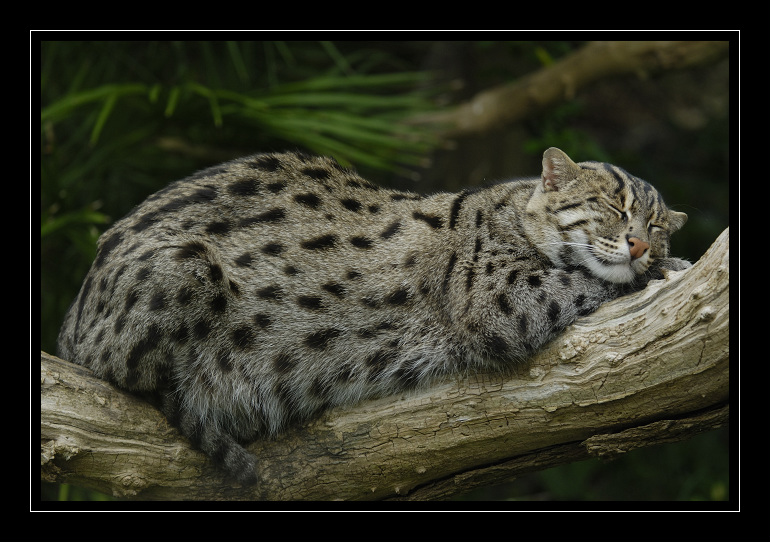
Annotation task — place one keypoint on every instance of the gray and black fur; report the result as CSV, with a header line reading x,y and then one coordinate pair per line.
x,y
268,288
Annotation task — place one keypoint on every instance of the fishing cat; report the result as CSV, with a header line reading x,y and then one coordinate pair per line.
x,y
266,289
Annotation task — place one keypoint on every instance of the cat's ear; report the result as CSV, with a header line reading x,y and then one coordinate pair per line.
x,y
676,220
558,169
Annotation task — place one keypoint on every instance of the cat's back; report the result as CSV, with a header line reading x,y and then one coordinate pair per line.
x,y
291,206
267,263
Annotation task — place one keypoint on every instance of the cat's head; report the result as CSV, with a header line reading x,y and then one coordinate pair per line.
x,y
598,217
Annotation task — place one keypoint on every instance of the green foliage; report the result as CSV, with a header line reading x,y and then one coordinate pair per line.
x,y
691,470
691,474
556,129
120,120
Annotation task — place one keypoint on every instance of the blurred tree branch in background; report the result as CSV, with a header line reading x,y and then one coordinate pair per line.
x,y
509,103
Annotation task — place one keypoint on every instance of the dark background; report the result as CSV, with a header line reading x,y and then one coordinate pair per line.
x,y
120,120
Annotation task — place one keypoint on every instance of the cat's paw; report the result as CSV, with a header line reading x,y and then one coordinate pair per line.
x,y
673,264
662,267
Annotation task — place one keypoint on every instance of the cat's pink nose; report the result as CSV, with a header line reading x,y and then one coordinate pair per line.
x,y
637,247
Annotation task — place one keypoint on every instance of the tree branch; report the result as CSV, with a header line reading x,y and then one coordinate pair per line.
x,y
644,369
560,81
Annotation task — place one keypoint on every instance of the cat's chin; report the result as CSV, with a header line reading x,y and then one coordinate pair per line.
x,y
618,273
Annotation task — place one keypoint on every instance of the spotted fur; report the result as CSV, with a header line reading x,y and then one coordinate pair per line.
x,y
266,289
